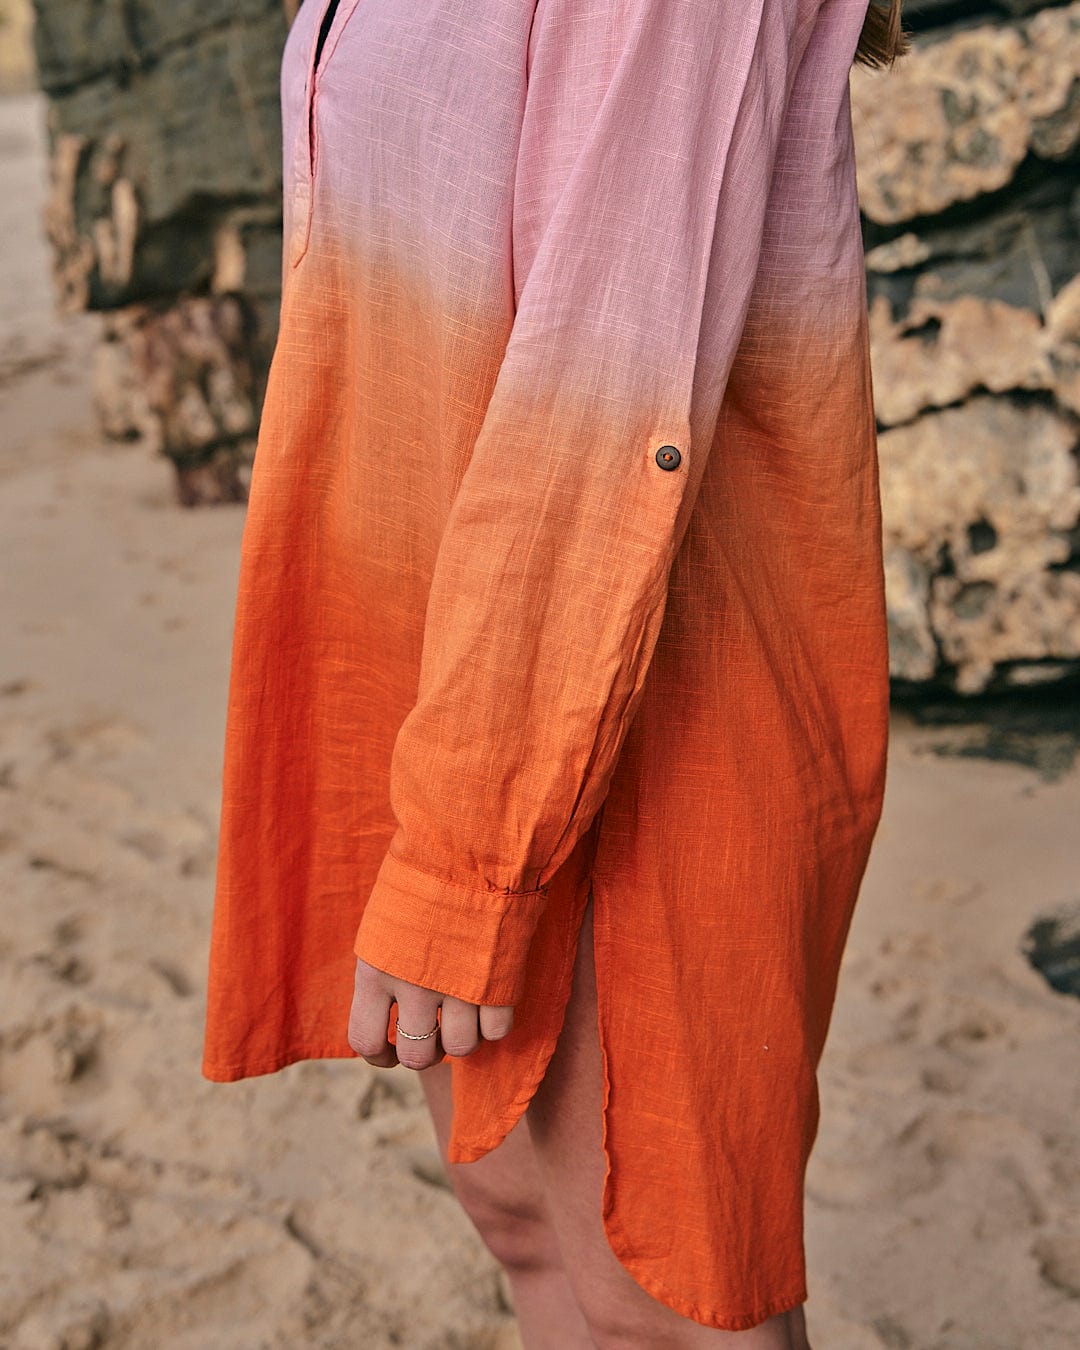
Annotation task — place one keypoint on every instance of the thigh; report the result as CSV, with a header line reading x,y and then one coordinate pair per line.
x,y
565,1124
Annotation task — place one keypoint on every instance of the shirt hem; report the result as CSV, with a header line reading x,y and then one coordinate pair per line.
x,y
235,1070
467,1151
710,1317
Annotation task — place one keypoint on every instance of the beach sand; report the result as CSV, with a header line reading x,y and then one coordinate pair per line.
x,y
142,1206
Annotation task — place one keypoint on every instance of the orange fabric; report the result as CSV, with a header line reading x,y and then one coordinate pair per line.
x,y
489,650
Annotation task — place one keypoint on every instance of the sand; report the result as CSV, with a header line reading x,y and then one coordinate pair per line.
x,y
141,1206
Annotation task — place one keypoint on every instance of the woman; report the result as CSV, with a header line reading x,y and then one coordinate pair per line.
x,y
559,699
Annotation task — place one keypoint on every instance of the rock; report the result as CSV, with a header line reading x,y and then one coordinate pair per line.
x,y
109,39
1063,319
942,351
982,503
145,163
1052,945
967,180
180,377
913,650
958,117
905,251
1019,247
154,216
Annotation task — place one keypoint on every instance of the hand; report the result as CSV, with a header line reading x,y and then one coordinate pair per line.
x,y
460,1029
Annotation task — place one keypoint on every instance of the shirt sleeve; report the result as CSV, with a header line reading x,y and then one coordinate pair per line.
x,y
648,141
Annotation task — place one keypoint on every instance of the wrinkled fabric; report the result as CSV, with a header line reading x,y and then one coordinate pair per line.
x,y
562,570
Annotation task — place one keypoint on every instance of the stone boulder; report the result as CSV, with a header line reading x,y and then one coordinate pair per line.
x,y
164,214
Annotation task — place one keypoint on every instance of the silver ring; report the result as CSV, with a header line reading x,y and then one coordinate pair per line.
x,y
410,1037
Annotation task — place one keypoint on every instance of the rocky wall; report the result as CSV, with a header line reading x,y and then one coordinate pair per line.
x,y
968,154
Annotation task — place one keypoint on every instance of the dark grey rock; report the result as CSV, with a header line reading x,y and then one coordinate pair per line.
x,y
1052,945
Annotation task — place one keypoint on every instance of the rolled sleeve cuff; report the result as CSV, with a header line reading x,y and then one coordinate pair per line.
x,y
468,943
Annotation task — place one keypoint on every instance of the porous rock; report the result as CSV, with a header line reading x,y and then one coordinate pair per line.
x,y
958,117
981,529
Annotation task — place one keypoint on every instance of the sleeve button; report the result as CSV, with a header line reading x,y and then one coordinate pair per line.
x,y
668,457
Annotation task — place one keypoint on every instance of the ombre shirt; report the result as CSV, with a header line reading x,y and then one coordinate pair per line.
x,y
562,573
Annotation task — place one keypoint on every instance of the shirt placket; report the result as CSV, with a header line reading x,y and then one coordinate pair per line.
x,y
305,149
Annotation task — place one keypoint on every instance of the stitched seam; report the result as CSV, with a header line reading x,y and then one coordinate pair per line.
x,y
478,891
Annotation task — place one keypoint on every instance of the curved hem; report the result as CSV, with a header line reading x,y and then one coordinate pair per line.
x,y
721,1321
465,1150
620,1245
238,1069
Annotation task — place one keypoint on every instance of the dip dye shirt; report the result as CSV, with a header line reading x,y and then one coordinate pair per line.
x,y
562,569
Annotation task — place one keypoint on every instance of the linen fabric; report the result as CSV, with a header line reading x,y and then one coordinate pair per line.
x,y
490,652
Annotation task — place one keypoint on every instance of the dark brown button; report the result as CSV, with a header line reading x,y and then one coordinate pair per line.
x,y
668,457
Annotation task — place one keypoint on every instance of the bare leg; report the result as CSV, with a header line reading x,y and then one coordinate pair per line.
x,y
797,1328
503,1196
565,1123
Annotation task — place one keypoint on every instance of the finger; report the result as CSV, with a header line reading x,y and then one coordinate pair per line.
x,y
369,1021
495,1023
418,1012
460,1027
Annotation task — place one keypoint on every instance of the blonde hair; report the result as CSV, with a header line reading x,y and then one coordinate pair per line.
x,y
882,38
